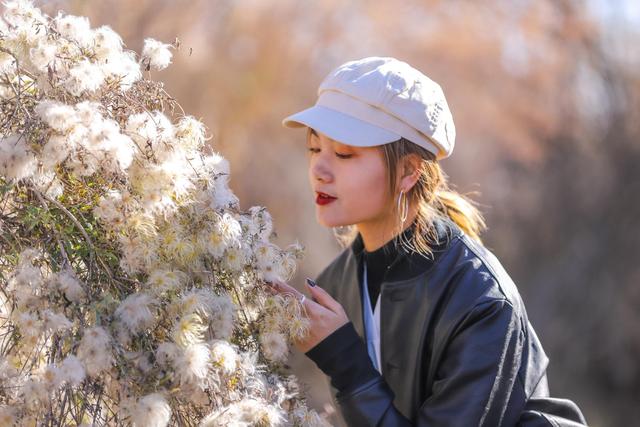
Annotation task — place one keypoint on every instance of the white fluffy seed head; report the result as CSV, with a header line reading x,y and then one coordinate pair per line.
x,y
55,322
274,345
74,28
106,43
192,364
58,116
165,280
43,55
136,312
70,286
190,132
156,54
85,76
224,356
166,353
189,329
247,412
125,68
95,351
17,161
151,410
71,371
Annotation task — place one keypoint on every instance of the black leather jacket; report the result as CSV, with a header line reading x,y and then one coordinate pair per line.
x,y
457,348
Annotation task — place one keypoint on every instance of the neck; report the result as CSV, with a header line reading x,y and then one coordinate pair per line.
x,y
376,234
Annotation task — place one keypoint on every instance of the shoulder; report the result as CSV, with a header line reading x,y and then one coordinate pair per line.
x,y
489,275
480,292
469,276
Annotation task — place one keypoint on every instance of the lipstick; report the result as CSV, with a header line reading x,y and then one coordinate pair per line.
x,y
324,199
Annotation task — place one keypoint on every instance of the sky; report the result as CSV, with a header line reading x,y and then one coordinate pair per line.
x,y
621,12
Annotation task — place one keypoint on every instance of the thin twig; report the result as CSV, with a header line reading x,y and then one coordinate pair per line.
x,y
75,222
55,232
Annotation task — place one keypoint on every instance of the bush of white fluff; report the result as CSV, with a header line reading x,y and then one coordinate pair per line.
x,y
132,285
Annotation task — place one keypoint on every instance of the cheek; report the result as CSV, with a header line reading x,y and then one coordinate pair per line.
x,y
367,190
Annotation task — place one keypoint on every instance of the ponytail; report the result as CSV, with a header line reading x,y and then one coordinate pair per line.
x,y
461,211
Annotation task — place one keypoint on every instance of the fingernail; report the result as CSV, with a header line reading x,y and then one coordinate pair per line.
x,y
311,282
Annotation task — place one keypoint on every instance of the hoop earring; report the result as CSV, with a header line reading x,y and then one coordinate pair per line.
x,y
404,212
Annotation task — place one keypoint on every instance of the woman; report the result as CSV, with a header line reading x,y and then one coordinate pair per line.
x,y
415,322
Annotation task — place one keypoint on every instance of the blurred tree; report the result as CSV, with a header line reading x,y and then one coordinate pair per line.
x,y
545,96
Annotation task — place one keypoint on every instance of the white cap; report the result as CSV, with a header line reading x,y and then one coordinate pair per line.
x,y
374,101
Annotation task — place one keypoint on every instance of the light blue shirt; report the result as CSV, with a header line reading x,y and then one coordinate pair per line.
x,y
371,323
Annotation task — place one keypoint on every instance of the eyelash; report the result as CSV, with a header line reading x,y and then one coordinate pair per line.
x,y
340,156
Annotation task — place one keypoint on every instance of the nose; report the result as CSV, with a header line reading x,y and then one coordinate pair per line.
x,y
320,169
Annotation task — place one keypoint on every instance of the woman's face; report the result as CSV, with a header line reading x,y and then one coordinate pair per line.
x,y
355,176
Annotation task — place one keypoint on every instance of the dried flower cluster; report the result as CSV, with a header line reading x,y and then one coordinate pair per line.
x,y
132,285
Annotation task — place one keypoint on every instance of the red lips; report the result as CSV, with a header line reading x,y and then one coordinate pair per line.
x,y
323,198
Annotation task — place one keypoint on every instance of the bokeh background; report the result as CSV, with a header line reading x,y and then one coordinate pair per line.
x,y
546,99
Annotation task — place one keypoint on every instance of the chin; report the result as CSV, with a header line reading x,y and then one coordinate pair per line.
x,y
330,222
325,220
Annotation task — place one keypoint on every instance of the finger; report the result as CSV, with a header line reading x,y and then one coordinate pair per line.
x,y
307,303
285,288
323,298
310,303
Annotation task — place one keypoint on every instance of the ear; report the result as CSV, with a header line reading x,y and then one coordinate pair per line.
x,y
409,171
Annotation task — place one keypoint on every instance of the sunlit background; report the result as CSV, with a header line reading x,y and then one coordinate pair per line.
x,y
545,97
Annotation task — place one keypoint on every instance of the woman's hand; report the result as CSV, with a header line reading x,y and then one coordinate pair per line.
x,y
325,314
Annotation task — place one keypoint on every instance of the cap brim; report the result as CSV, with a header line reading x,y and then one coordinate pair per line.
x,y
340,127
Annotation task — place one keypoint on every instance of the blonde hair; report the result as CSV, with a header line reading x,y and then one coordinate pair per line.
x,y
432,195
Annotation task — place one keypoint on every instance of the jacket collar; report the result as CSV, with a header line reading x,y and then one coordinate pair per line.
x,y
406,263
406,267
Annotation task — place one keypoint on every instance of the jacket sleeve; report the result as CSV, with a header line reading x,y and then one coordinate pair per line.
x,y
549,411
474,381
477,383
343,357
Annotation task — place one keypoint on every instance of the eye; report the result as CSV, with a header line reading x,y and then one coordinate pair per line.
x,y
340,156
